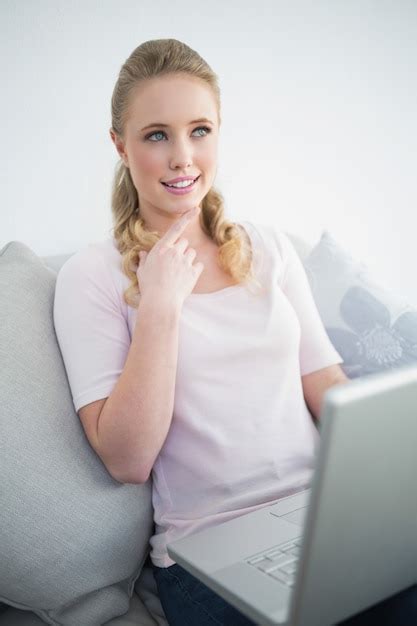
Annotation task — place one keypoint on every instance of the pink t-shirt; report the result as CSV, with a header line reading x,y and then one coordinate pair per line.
x,y
241,435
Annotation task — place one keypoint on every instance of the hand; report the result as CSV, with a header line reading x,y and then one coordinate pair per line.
x,y
167,272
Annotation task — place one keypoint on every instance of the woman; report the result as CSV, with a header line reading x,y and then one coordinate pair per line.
x,y
206,355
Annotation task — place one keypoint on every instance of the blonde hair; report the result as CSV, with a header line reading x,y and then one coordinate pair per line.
x,y
159,57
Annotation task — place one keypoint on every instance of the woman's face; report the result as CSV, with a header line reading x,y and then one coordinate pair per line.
x,y
161,153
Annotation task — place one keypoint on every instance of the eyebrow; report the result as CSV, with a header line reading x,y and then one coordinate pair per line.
x,y
202,119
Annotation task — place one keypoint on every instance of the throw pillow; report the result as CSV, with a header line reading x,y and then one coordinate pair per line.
x,y
372,329
73,539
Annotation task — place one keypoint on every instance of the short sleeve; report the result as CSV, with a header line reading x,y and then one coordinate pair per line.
x,y
90,326
316,349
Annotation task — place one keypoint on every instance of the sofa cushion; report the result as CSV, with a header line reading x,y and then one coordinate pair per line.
x,y
73,539
137,615
372,328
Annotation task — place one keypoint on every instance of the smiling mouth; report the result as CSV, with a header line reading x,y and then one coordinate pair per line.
x,y
194,181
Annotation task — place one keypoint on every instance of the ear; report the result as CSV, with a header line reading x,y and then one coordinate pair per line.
x,y
118,142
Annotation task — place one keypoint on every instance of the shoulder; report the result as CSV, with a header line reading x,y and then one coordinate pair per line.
x,y
94,255
96,265
273,244
82,268
267,235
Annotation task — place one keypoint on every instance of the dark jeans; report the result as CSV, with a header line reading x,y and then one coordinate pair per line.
x,y
188,602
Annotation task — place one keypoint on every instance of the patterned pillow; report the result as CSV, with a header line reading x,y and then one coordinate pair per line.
x,y
371,328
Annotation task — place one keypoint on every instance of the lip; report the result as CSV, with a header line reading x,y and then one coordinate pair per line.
x,y
178,180
185,190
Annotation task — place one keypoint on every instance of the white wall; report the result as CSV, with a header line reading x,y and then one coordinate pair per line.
x,y
319,117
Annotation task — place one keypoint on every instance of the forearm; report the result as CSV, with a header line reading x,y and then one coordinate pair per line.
x,y
136,417
317,384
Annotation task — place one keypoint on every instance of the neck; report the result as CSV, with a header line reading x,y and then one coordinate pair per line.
x,y
194,232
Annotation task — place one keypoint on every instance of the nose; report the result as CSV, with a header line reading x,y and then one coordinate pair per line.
x,y
181,155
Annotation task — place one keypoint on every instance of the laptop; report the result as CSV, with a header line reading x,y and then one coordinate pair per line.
x,y
326,553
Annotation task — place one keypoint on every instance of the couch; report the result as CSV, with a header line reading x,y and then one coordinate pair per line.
x,y
74,541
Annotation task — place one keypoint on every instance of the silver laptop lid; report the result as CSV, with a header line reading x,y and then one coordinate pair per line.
x,y
360,544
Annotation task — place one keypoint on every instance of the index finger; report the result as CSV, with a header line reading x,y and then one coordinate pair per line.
x,y
176,229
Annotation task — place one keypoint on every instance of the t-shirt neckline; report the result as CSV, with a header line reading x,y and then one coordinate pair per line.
x,y
231,288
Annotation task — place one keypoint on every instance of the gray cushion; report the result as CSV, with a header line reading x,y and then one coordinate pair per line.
x,y
372,328
73,540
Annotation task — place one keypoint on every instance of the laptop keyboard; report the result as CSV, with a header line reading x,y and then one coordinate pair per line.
x,y
279,562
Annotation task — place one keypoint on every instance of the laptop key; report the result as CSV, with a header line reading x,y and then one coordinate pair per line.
x,y
289,568
256,559
273,553
289,548
282,558
269,565
281,576
286,546
268,568
272,550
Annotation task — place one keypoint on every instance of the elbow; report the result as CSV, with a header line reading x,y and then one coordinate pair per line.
x,y
127,480
131,479
144,477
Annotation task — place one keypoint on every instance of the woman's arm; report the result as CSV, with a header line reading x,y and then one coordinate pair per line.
x,y
136,417
317,383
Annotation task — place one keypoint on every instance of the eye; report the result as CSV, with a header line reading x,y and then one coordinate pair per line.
x,y
157,132
161,132
205,128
